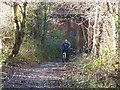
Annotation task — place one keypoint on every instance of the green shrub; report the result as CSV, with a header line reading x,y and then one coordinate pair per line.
x,y
50,49
100,72
2,58
34,50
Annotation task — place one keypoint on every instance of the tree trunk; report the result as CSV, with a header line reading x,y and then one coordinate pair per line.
x,y
98,39
18,41
114,34
78,40
119,44
85,36
90,36
19,35
94,32
119,29
0,44
97,33
45,23
0,56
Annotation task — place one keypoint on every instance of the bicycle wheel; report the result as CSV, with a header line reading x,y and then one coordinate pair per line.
x,y
64,56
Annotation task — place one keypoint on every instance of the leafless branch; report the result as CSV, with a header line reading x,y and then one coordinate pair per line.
x,y
8,4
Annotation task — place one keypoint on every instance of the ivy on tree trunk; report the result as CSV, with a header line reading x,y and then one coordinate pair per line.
x,y
45,23
20,26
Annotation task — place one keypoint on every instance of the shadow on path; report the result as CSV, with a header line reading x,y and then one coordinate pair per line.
x,y
45,75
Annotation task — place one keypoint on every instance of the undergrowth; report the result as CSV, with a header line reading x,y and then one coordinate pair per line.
x,y
49,50
102,72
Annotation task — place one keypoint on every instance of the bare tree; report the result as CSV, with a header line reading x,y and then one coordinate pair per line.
x,y
19,14
20,26
100,16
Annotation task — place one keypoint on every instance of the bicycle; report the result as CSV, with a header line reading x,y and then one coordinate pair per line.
x,y
64,56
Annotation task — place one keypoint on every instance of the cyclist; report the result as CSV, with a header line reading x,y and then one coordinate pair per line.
x,y
65,46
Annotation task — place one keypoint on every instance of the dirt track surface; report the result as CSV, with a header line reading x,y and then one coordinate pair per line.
x,y
45,75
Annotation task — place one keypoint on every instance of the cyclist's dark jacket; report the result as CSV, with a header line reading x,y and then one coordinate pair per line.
x,y
65,46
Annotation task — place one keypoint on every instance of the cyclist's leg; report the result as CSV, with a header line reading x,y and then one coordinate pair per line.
x,y
63,57
67,56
